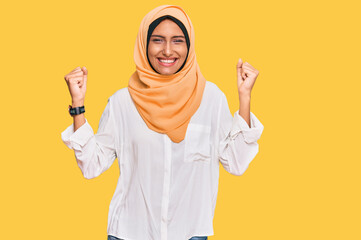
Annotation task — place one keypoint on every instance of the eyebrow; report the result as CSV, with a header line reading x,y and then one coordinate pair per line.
x,y
164,37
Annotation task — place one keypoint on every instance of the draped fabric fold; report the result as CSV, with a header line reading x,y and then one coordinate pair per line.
x,y
166,102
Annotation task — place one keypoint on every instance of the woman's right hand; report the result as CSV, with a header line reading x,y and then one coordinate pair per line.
x,y
76,81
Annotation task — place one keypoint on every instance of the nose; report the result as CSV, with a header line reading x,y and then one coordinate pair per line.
x,y
167,50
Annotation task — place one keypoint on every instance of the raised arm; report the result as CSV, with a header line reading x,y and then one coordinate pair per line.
x,y
238,135
94,153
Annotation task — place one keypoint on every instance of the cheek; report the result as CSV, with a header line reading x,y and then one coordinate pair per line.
x,y
183,52
180,51
152,50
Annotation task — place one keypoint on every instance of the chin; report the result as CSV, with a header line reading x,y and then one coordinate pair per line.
x,y
167,72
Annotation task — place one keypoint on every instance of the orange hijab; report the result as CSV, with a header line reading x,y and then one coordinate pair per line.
x,y
166,102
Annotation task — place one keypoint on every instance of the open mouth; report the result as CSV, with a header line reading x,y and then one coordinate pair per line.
x,y
167,62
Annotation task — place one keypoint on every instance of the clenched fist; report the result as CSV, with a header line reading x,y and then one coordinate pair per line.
x,y
246,77
76,81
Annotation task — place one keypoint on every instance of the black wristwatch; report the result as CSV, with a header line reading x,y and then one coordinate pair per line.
x,y
76,110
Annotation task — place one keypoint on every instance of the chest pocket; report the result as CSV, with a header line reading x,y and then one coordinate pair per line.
x,y
197,143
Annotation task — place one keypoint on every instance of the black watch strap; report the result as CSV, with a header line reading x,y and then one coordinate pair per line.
x,y
76,110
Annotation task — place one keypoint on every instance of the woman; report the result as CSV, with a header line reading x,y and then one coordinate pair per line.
x,y
169,129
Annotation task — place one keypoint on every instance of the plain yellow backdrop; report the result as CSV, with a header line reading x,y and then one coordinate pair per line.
x,y
303,184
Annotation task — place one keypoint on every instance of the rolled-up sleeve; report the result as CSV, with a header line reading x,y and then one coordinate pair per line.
x,y
94,153
237,141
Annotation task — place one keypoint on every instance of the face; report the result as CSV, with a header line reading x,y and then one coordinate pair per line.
x,y
167,48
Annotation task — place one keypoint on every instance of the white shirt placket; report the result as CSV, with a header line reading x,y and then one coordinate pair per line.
x,y
166,185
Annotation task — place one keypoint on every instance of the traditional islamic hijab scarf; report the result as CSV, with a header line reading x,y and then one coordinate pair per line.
x,y
166,102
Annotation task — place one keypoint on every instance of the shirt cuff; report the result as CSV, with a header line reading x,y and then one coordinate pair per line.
x,y
76,140
250,134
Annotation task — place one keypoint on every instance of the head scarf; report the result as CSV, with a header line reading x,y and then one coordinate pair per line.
x,y
166,102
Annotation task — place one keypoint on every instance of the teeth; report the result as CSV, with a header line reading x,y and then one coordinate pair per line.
x,y
167,61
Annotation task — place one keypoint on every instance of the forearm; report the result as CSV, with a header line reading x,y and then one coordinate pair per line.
x,y
79,119
245,107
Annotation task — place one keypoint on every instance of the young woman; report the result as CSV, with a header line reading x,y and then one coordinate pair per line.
x,y
169,129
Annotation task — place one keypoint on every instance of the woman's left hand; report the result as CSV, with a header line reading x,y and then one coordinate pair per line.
x,y
246,77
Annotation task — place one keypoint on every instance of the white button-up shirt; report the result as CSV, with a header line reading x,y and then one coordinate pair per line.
x,y
166,190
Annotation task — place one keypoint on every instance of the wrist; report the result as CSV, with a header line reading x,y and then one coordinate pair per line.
x,y
77,103
244,93
244,97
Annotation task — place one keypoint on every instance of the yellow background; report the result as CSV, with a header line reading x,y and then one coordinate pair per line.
x,y
303,184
